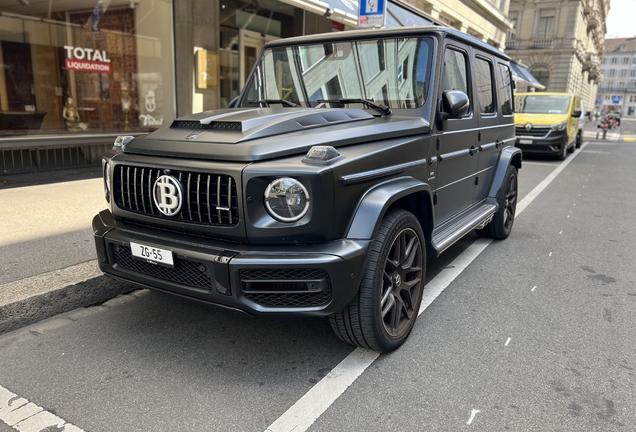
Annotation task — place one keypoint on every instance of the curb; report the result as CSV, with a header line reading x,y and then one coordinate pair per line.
x,y
44,296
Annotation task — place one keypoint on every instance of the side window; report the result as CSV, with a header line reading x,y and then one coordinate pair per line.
x,y
505,89
484,80
455,71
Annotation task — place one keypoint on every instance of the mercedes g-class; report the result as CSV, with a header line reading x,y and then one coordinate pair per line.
x,y
346,161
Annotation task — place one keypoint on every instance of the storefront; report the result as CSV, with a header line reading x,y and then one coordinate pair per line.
x,y
100,67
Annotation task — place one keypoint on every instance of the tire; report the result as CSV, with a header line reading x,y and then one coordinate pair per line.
x,y
579,139
383,313
501,225
573,146
564,152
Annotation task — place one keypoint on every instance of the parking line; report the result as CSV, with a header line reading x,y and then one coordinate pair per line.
x,y
300,416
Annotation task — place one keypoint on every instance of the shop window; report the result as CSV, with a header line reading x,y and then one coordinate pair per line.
x,y
542,74
545,26
106,70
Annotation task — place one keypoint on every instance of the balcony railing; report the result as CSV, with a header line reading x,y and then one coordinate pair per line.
x,y
543,43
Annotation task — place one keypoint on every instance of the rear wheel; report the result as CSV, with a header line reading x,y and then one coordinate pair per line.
x,y
501,225
383,313
579,139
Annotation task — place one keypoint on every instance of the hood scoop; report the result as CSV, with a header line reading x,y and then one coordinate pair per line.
x,y
196,124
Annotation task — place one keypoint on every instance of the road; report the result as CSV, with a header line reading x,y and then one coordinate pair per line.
x,y
532,333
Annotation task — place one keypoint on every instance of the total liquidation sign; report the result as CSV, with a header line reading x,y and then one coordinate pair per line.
x,y
86,59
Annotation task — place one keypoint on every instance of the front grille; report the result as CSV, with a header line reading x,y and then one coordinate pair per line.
x,y
534,132
184,272
208,198
190,124
286,287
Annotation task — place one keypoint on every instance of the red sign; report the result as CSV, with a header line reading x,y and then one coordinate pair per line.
x,y
336,26
87,66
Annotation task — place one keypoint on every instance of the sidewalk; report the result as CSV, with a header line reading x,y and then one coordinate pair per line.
x,y
47,256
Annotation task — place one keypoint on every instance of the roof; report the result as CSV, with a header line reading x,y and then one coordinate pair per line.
x,y
384,32
611,45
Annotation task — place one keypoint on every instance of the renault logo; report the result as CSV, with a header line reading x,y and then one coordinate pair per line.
x,y
167,195
528,126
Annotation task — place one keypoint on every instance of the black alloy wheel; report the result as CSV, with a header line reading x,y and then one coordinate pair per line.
x,y
383,313
501,225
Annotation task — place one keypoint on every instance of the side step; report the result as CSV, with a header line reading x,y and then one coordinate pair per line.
x,y
448,233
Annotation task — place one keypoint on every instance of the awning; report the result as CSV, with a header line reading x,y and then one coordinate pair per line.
x,y
524,78
346,12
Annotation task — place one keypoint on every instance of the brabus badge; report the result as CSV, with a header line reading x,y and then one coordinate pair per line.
x,y
193,135
528,126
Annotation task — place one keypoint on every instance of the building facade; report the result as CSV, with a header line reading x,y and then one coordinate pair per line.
x,y
617,91
561,42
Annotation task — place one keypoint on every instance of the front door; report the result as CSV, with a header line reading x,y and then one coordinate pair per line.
x,y
456,141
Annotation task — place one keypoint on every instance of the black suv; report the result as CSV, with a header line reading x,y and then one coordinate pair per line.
x,y
347,159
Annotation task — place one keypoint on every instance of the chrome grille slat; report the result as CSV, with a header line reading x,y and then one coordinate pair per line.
x,y
143,201
208,196
196,203
135,187
218,197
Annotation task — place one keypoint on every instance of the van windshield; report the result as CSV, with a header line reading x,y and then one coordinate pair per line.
x,y
542,104
390,72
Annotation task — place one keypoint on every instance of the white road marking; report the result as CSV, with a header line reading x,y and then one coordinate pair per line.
x,y
26,416
533,288
560,232
472,416
507,342
550,254
300,416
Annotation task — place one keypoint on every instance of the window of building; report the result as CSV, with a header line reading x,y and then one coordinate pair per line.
x,y
484,80
621,47
512,32
106,69
604,61
621,85
612,73
632,84
632,72
625,60
634,60
623,72
614,60
546,24
542,74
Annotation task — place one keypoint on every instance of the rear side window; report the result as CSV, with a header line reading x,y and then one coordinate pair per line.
x,y
484,82
505,86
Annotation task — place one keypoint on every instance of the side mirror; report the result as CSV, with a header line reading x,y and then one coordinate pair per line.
x,y
455,103
576,113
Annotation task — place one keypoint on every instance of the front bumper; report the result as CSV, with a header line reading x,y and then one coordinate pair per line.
x,y
315,280
551,144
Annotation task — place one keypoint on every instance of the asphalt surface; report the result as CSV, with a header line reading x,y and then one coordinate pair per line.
x,y
535,334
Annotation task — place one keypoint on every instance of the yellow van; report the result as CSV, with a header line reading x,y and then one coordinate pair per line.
x,y
548,123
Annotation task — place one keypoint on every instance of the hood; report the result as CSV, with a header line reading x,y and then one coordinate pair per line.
x,y
540,119
262,133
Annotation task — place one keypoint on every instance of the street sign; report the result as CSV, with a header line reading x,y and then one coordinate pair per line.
x,y
616,99
372,13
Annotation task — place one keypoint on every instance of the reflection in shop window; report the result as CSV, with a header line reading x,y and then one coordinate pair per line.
x,y
72,70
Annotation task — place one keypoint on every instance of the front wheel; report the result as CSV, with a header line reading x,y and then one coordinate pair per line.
x,y
579,139
501,225
383,313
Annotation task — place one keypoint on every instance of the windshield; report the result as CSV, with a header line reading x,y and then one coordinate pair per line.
x,y
538,104
392,72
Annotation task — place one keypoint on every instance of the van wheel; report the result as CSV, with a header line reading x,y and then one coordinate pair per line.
x,y
573,146
384,311
579,139
564,152
501,225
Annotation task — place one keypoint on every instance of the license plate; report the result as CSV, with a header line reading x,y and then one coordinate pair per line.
x,y
151,254
523,141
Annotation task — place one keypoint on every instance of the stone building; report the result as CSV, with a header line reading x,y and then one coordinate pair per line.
x,y
617,91
561,42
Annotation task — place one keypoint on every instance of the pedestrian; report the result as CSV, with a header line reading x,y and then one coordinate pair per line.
x,y
603,126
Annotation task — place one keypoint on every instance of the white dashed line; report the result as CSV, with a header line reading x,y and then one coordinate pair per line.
x,y
533,288
550,254
25,416
473,413
507,342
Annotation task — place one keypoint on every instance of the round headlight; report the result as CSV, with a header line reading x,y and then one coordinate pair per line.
x,y
286,199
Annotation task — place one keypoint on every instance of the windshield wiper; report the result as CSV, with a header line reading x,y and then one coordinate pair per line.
x,y
368,102
268,102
